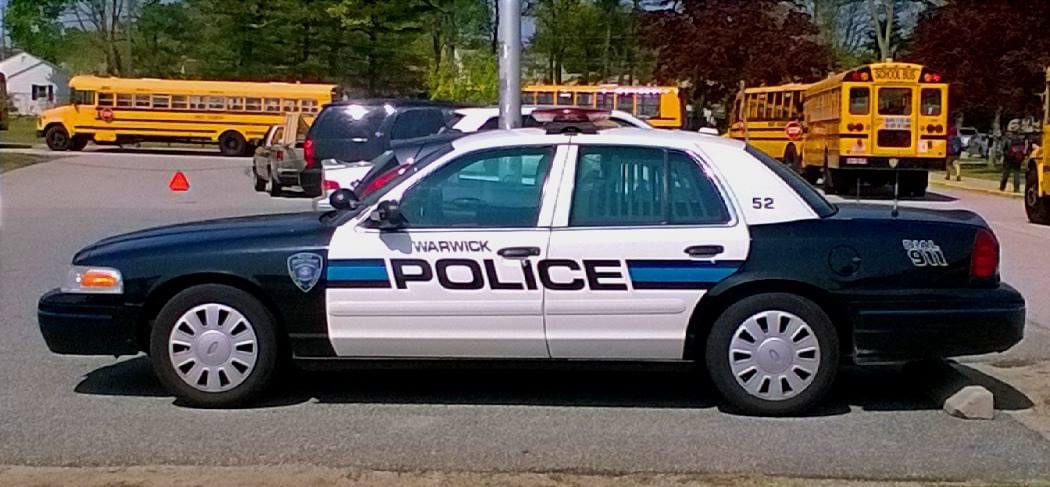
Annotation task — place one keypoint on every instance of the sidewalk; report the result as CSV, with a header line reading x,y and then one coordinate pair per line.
x,y
975,184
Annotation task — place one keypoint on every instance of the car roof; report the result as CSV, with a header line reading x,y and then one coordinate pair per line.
x,y
620,135
394,102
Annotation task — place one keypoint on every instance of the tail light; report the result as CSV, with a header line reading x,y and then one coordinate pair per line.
x,y
383,179
984,262
330,185
308,153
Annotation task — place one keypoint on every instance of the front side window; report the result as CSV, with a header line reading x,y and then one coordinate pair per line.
x,y
490,189
931,101
618,186
895,101
859,101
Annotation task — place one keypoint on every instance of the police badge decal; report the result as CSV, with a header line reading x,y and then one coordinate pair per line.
x,y
305,269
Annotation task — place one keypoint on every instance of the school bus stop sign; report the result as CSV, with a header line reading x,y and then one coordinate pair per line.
x,y
793,130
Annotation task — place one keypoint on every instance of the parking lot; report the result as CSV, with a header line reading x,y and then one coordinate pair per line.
x,y
88,411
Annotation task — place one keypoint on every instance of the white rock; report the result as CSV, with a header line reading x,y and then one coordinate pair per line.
x,y
971,402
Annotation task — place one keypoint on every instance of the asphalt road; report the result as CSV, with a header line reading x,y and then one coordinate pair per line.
x,y
57,410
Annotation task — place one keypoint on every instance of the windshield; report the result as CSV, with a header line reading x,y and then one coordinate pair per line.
x,y
821,206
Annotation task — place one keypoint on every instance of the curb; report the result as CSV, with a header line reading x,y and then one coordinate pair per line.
x,y
993,192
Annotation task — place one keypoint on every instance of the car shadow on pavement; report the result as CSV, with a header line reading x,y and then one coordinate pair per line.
x,y
886,388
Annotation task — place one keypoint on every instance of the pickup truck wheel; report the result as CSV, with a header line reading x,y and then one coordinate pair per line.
x,y
232,144
260,182
214,346
773,354
275,185
1035,206
57,138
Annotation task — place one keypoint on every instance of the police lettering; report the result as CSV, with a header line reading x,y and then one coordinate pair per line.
x,y
451,246
467,274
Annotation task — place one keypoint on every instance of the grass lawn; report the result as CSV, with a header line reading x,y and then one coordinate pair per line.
x,y
22,131
10,161
981,171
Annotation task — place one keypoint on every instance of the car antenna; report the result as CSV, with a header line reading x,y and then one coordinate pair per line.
x,y
896,186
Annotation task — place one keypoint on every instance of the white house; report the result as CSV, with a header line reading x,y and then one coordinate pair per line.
x,y
33,83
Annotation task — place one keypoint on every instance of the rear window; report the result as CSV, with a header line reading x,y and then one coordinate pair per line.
x,y
895,101
821,206
348,121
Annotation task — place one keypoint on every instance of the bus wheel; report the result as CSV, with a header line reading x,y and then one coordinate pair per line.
x,y
232,144
78,142
1037,207
57,138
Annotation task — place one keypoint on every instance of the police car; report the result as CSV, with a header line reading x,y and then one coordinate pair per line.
x,y
554,244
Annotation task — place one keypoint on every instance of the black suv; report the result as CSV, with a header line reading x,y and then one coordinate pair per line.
x,y
360,130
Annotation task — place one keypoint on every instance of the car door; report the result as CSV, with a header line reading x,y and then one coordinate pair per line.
x,y
638,237
457,279
263,153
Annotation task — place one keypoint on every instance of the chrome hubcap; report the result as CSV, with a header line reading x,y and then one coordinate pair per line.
x,y
213,347
774,355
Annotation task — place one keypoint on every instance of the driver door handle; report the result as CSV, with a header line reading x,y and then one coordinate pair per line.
x,y
704,250
518,252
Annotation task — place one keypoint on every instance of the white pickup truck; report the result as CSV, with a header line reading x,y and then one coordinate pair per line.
x,y
278,161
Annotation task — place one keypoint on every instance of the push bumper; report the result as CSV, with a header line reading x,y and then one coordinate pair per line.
x,y
87,324
936,324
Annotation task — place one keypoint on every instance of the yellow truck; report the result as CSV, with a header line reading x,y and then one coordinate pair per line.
x,y
1037,179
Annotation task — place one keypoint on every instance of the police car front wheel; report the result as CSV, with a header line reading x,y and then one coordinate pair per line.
x,y
773,354
214,346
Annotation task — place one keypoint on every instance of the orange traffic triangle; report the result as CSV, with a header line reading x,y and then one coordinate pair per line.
x,y
179,182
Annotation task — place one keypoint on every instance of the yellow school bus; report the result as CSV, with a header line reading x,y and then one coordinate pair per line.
x,y
770,118
1037,179
661,106
862,122
233,114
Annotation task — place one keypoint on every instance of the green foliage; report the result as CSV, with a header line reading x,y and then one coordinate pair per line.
x,y
474,80
33,25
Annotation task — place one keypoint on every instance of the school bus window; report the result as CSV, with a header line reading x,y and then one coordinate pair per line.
x,y
894,101
216,103
273,105
161,101
605,101
859,101
288,105
123,100
545,98
253,104
649,105
528,98
179,102
309,106
197,103
625,102
931,101
141,101
564,98
778,106
105,99
585,99
82,97
235,103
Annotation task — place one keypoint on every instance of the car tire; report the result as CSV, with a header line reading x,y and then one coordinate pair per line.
x,y
214,346
773,369
260,182
1036,207
57,138
276,189
232,144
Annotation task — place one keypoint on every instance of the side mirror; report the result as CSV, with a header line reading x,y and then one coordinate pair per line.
x,y
387,215
343,199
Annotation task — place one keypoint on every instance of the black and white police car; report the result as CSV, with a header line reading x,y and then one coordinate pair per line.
x,y
563,243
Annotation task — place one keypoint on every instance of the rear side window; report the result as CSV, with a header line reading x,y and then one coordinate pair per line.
x,y
417,123
619,186
348,121
820,206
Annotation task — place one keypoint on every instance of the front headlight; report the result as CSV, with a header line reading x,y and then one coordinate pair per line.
x,y
93,280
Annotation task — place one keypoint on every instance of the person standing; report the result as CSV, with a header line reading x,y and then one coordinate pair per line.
x,y
954,151
1016,148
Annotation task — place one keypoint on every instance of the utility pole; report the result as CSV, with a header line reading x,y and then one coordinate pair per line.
x,y
509,63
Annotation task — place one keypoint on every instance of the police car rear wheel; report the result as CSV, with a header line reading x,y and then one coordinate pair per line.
x,y
773,354
214,346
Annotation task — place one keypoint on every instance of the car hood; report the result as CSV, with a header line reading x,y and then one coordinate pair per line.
x,y
257,228
863,211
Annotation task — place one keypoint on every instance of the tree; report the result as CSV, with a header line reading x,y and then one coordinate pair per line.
x,y
34,27
993,52
713,45
381,32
